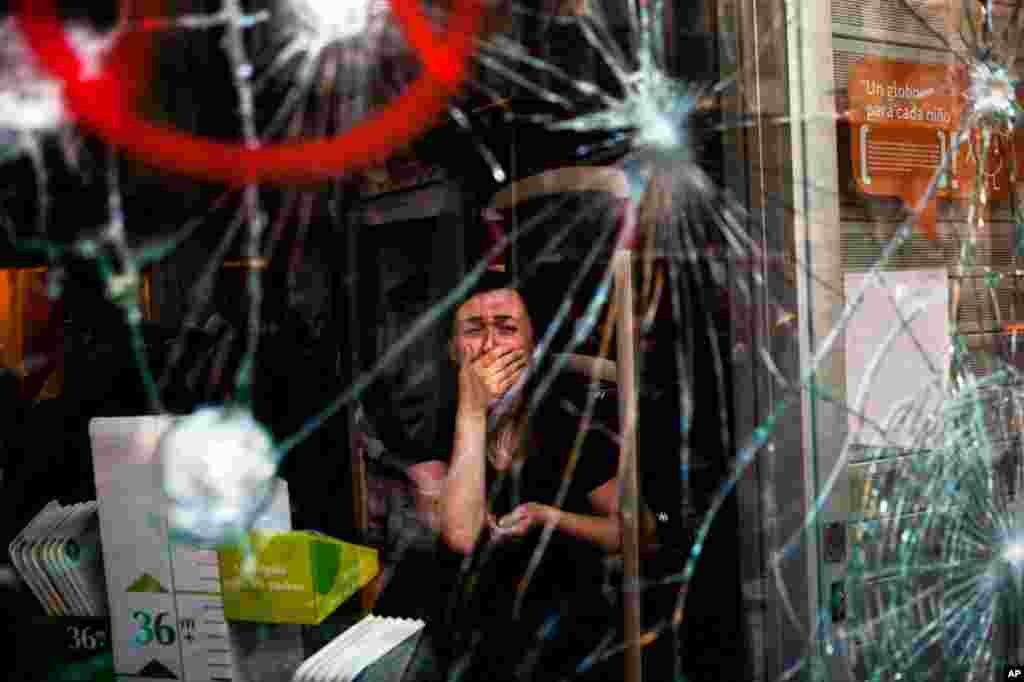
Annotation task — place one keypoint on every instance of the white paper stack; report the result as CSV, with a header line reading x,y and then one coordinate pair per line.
x,y
58,556
355,649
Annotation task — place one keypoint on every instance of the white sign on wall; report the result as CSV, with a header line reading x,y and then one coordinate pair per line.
x,y
897,353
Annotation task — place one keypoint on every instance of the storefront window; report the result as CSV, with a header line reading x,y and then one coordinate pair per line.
x,y
618,340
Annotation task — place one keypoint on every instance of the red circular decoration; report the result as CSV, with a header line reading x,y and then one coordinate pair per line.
x,y
100,101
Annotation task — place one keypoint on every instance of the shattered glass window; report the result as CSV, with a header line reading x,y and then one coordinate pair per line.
x,y
633,339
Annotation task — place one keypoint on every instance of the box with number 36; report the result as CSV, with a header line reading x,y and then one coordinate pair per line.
x,y
166,605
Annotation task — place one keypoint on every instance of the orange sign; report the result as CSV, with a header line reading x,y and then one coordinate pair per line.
x,y
904,119
884,92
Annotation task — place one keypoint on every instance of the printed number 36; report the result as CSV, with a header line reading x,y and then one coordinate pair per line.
x,y
150,630
86,638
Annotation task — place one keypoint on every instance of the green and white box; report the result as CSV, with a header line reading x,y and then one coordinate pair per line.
x,y
297,577
166,607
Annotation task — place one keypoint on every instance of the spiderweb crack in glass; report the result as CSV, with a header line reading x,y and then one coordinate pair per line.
x,y
992,95
371,141
333,20
216,466
28,100
656,107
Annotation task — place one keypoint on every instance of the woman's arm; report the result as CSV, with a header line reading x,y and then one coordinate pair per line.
x,y
601,529
605,499
463,499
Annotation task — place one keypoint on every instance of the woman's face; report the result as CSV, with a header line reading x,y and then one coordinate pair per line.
x,y
492,319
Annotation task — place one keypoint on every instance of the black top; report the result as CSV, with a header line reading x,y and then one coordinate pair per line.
x,y
562,604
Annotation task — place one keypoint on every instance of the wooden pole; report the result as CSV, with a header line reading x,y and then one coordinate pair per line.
x,y
629,482
613,182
